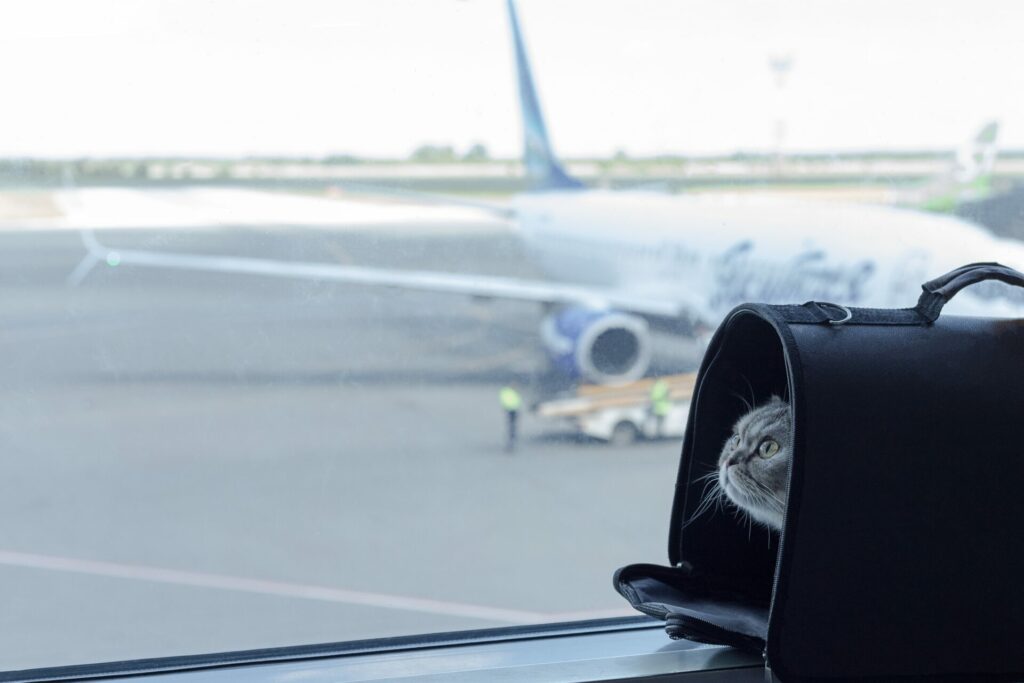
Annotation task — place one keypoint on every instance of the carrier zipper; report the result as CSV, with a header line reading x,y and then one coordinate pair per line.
x,y
684,626
782,532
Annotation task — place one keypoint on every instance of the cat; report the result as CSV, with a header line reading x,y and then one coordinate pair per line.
x,y
753,469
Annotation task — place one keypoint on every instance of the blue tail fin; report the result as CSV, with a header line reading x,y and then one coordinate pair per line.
x,y
542,167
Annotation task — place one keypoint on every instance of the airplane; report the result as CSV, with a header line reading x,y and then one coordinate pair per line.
x,y
623,263
969,177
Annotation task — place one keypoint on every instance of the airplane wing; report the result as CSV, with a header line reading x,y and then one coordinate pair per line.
x,y
427,281
496,209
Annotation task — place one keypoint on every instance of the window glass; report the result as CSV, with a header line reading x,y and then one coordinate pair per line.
x,y
277,279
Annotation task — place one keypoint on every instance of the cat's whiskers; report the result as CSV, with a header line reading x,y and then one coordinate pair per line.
x,y
742,398
709,495
753,396
768,494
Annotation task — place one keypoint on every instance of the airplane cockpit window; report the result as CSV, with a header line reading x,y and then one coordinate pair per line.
x,y
329,321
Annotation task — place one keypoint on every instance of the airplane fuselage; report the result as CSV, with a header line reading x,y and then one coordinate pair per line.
x,y
710,252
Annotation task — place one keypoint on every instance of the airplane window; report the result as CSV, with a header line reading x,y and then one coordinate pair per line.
x,y
329,321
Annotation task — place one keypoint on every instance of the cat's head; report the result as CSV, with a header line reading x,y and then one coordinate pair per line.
x,y
753,469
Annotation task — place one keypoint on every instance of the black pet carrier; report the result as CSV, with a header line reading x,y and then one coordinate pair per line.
x,y
900,554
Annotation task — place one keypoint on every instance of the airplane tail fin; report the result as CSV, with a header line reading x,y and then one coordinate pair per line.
x,y
542,167
975,159
969,177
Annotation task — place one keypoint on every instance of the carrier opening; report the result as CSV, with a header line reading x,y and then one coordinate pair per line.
x,y
747,368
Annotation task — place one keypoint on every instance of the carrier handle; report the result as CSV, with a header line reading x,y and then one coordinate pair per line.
x,y
939,291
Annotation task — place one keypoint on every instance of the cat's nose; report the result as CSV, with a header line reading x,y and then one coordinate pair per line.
x,y
737,458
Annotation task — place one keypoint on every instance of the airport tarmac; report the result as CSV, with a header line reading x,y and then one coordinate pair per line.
x,y
200,462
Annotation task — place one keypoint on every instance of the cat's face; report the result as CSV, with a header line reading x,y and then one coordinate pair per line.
x,y
753,469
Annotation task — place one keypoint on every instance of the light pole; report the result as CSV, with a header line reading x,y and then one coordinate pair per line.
x,y
780,64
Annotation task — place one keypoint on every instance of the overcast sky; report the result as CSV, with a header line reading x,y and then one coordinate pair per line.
x,y
379,77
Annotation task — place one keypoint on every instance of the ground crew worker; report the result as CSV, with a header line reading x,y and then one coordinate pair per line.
x,y
510,402
660,404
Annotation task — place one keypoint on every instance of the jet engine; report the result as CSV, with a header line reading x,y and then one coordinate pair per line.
x,y
598,346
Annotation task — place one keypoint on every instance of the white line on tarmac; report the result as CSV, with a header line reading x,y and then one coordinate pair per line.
x,y
275,588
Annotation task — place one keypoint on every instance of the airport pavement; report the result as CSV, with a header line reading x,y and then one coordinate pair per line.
x,y
195,462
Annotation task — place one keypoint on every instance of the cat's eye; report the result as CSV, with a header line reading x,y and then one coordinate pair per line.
x,y
768,448
734,441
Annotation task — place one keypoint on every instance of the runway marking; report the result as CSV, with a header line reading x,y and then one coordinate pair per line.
x,y
283,589
263,587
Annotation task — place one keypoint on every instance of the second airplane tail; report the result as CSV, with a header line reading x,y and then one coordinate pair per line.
x,y
975,159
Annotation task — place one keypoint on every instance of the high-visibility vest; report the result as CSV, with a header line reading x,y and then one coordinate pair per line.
x,y
510,399
660,405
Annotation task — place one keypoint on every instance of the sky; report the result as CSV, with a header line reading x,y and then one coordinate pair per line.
x,y
377,78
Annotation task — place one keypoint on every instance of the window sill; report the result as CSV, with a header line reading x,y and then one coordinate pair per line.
x,y
606,650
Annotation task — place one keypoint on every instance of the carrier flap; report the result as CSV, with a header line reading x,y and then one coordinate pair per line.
x,y
694,608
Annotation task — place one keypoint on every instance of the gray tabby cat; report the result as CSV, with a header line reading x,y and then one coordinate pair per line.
x,y
753,469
